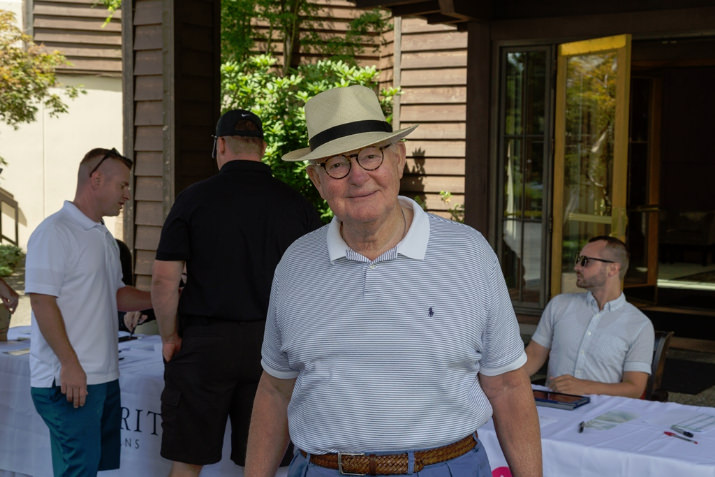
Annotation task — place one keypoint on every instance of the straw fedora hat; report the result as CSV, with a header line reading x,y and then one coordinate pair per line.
x,y
344,119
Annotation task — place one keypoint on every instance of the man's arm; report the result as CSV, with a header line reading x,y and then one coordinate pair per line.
x,y
515,420
633,385
165,279
73,380
268,436
133,299
536,356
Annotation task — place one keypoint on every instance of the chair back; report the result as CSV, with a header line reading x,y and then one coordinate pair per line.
x,y
653,391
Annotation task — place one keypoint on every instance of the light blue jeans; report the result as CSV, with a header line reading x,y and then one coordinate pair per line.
x,y
472,464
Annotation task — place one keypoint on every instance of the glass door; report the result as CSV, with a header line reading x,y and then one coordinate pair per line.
x,y
590,149
644,187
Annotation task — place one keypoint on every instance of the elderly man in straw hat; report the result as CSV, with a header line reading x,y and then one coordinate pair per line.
x,y
390,336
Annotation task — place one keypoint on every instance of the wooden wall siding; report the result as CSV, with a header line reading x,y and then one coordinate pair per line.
x,y
75,28
173,108
146,133
433,78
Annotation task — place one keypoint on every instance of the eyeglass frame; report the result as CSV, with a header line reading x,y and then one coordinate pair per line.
x,y
357,159
115,155
583,260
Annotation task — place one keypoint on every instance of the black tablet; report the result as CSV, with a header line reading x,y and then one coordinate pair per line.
x,y
559,400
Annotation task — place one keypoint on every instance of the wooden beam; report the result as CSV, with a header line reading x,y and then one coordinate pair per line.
x,y
415,9
478,196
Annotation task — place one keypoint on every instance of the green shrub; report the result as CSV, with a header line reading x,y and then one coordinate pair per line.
x,y
278,100
10,257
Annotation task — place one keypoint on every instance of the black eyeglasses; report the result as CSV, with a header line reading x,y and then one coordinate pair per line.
x,y
583,260
114,154
370,159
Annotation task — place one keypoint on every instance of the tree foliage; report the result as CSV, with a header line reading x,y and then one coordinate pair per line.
x,y
296,26
278,100
27,73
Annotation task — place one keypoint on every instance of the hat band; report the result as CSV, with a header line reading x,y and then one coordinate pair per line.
x,y
341,130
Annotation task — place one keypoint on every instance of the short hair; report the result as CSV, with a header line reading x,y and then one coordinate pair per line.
x,y
109,153
618,250
238,144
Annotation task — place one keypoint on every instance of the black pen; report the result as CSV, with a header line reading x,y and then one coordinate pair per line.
x,y
682,431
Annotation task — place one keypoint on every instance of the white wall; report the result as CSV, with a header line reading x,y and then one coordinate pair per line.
x,y
42,157
14,6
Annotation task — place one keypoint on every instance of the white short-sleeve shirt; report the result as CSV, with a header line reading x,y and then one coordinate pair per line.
x,y
597,345
75,259
387,352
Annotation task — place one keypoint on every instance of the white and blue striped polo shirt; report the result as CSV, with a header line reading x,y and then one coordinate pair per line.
x,y
386,352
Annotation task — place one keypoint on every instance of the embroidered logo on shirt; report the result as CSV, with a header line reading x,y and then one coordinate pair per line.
x,y
430,312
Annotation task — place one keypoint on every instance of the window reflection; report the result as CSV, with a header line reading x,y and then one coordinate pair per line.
x,y
522,144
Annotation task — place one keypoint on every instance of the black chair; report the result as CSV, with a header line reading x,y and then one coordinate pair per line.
x,y
653,390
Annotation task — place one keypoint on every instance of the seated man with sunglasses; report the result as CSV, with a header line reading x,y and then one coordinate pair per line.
x,y
596,342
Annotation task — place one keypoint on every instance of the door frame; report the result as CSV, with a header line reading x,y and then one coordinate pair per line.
x,y
618,218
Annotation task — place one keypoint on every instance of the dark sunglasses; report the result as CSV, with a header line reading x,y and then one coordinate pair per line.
x,y
113,153
583,260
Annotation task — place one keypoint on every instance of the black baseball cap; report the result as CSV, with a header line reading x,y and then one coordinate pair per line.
x,y
226,126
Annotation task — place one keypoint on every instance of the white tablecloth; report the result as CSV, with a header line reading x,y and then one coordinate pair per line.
x,y
634,448
24,437
637,447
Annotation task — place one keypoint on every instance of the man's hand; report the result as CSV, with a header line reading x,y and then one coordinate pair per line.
x,y
170,347
568,384
10,298
632,385
132,319
73,383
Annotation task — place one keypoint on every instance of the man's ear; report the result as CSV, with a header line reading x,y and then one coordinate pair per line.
x,y
314,175
96,180
402,158
220,146
614,269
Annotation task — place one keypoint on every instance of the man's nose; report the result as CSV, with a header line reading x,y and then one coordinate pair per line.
x,y
356,170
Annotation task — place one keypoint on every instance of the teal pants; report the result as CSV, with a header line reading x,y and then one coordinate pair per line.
x,y
84,440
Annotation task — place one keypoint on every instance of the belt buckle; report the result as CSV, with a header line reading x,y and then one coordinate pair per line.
x,y
340,462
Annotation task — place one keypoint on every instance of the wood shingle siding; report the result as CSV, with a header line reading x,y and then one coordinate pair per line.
x,y
433,79
171,108
76,28
146,136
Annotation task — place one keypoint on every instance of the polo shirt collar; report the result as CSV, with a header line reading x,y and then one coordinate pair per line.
x,y
413,245
78,216
612,305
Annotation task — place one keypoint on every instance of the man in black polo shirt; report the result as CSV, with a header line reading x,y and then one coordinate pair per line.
x,y
230,230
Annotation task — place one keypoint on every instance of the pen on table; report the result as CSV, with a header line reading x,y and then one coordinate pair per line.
x,y
673,434
682,431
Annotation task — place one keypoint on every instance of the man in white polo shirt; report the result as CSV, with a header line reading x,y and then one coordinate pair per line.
x,y
390,336
74,280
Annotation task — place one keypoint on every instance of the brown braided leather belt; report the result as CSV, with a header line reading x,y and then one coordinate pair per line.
x,y
392,464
